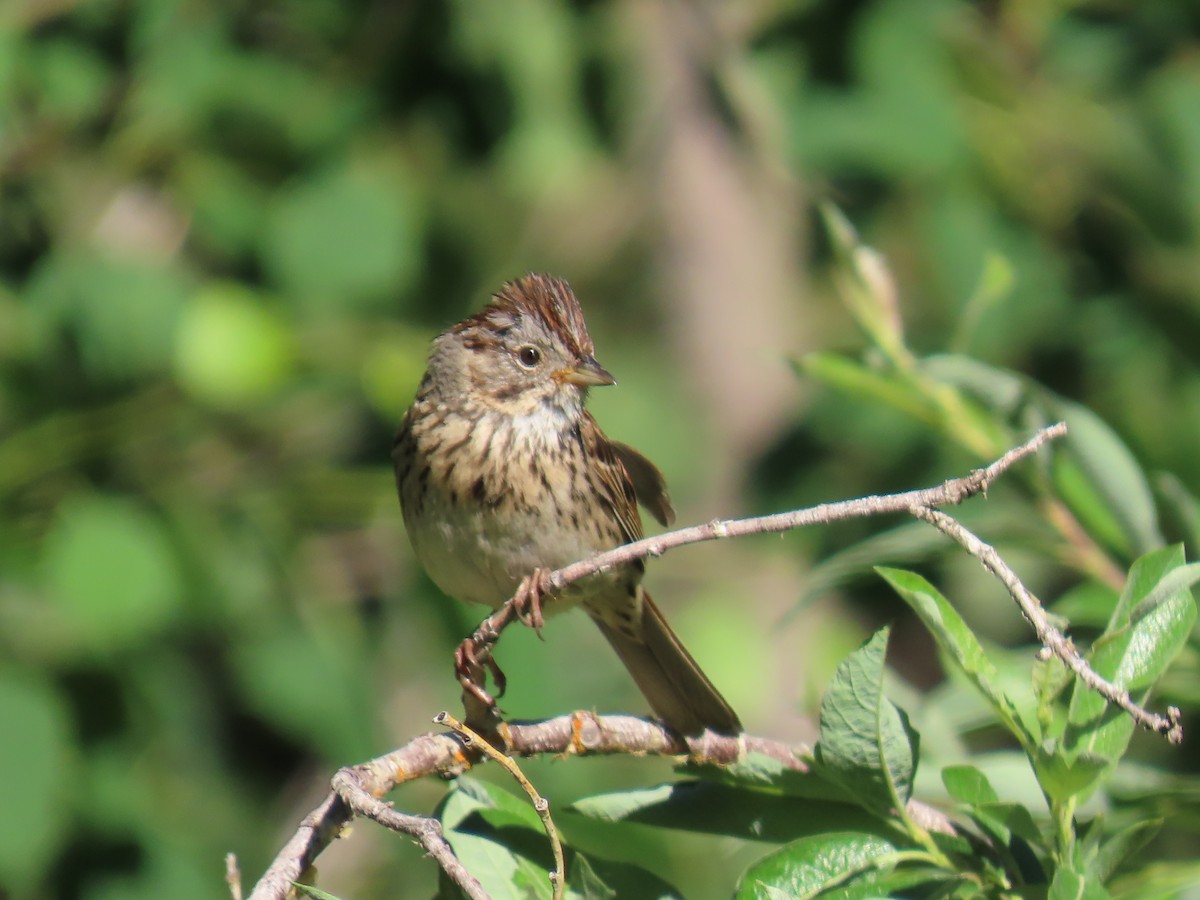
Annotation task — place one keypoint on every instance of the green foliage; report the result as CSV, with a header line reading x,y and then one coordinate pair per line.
x,y
499,838
42,758
867,745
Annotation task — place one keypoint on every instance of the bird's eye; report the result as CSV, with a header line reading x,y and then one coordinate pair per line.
x,y
529,356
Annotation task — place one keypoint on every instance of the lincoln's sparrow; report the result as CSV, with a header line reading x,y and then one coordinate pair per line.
x,y
503,473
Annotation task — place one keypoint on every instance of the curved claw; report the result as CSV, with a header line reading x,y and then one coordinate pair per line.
x,y
498,675
469,668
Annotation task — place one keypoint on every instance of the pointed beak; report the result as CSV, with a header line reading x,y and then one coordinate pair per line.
x,y
588,373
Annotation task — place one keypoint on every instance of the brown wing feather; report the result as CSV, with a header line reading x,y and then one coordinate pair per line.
x,y
648,483
613,482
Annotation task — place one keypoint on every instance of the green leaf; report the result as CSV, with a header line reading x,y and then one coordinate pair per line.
x,y
1086,604
806,867
752,770
583,881
233,349
1121,846
38,765
1181,506
1071,483
765,773
1008,819
344,238
1062,776
998,389
1071,885
96,301
1153,579
591,878
856,380
311,684
504,836
865,284
1151,624
1051,678
709,808
1158,881
504,873
1143,575
308,890
1093,469
867,745
885,882
908,543
110,568
966,784
1112,472
956,638
500,806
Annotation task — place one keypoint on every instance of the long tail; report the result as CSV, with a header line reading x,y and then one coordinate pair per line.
x,y
678,690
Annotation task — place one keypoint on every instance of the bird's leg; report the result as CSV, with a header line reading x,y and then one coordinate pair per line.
x,y
473,659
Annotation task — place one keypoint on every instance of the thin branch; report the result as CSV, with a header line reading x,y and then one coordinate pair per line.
x,y
317,831
233,876
426,831
951,491
558,877
1049,636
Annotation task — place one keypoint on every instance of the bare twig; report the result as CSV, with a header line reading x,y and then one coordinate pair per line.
x,y
949,492
558,877
316,832
426,831
233,876
1047,634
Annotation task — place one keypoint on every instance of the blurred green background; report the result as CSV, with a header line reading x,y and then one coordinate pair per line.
x,y
229,230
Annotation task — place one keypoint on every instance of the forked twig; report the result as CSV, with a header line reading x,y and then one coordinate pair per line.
x,y
1049,636
558,877
426,831
233,876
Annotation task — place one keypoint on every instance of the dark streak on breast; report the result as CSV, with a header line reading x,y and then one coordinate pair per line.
x,y
457,445
507,392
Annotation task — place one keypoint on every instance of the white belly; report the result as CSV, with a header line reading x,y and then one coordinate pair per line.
x,y
473,557
478,546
